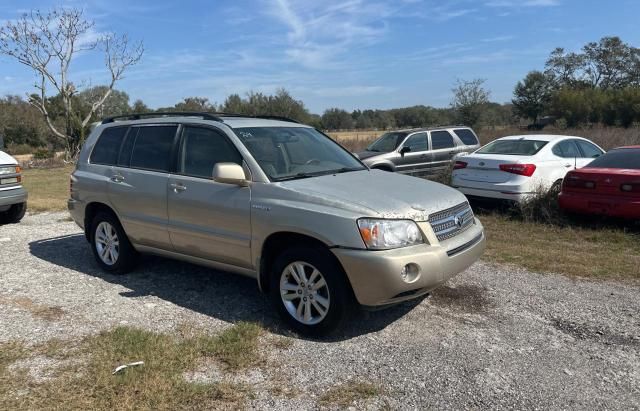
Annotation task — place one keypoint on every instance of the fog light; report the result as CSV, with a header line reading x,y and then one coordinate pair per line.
x,y
410,273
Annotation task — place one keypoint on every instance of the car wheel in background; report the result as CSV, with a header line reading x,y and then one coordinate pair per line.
x,y
14,214
110,245
310,290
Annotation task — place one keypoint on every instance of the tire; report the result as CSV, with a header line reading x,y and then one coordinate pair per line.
x,y
287,293
14,214
110,245
556,188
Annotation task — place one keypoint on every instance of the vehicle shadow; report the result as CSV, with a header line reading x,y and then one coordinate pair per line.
x,y
225,296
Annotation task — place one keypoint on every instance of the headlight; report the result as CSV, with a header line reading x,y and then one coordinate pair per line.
x,y
9,170
386,234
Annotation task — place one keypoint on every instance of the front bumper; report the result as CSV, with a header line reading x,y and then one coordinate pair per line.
x,y
600,205
13,196
375,275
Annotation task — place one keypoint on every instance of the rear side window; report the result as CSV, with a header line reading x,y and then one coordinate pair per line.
x,y
441,139
466,136
107,148
566,149
624,158
589,150
152,148
417,142
513,147
202,149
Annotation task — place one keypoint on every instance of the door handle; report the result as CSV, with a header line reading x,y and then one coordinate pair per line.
x,y
178,188
568,165
118,178
452,152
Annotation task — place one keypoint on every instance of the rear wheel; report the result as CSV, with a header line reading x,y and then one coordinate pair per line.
x,y
310,291
14,214
110,245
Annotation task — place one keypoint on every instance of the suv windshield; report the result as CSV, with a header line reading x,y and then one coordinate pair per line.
x,y
513,147
624,158
287,153
388,142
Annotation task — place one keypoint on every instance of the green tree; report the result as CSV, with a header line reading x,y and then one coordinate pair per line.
x,y
140,107
337,119
532,95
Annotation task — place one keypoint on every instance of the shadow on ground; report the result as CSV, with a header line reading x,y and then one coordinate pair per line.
x,y
227,297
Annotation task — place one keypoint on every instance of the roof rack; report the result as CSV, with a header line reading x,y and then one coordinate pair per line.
x,y
204,115
139,116
266,117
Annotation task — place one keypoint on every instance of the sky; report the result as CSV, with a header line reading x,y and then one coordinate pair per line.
x,y
352,54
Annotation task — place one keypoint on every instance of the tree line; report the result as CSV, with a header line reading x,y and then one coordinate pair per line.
x,y
598,84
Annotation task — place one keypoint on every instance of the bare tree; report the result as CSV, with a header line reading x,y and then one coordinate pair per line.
x,y
470,99
48,43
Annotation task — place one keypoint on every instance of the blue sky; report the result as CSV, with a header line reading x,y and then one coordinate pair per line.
x,y
333,53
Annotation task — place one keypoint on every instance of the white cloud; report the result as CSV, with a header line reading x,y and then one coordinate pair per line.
x,y
522,3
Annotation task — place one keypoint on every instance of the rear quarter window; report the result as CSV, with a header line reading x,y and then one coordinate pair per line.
x,y
466,136
107,148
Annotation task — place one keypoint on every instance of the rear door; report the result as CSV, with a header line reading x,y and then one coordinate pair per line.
x,y
417,160
138,183
443,149
208,219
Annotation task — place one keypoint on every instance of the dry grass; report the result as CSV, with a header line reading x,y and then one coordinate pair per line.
x,y
345,394
604,253
158,384
48,188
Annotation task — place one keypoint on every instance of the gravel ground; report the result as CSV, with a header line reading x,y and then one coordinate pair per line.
x,y
494,337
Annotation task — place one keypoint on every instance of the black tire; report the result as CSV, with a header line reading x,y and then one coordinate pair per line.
x,y
556,188
341,295
127,255
14,214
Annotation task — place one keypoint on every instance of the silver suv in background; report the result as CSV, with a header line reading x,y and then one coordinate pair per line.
x,y
274,200
420,152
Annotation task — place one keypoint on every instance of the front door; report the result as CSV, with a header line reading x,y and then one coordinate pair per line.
x,y
208,219
416,160
138,184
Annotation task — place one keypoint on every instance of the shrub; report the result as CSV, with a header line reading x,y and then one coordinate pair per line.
x,y
43,154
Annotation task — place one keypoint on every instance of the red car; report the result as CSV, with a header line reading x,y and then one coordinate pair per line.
x,y
609,185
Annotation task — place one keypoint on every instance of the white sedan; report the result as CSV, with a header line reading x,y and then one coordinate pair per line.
x,y
515,167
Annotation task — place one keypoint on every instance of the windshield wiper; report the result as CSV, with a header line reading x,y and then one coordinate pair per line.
x,y
319,173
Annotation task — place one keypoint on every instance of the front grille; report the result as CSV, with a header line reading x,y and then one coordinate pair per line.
x,y
452,221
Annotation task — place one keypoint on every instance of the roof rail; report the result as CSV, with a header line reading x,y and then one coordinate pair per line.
x,y
139,116
266,117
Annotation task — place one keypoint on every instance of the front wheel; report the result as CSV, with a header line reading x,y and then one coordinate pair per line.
x,y
14,214
310,290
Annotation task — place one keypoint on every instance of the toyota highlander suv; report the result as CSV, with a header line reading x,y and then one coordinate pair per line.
x,y
421,152
274,200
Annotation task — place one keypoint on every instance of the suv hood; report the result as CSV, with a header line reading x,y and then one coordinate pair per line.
x,y
7,159
363,155
386,194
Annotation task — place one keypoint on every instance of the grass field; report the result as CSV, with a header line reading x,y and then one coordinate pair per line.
x,y
48,188
584,251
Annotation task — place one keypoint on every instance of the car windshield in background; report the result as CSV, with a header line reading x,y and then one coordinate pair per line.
x,y
287,153
513,147
387,143
623,158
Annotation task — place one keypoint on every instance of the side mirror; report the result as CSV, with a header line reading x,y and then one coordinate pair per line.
x,y
230,173
404,150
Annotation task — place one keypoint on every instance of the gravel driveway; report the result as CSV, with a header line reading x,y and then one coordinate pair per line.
x,y
495,336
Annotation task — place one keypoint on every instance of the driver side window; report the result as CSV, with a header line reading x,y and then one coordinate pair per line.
x,y
417,142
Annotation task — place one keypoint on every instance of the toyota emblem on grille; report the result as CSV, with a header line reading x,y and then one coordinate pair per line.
x,y
459,220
